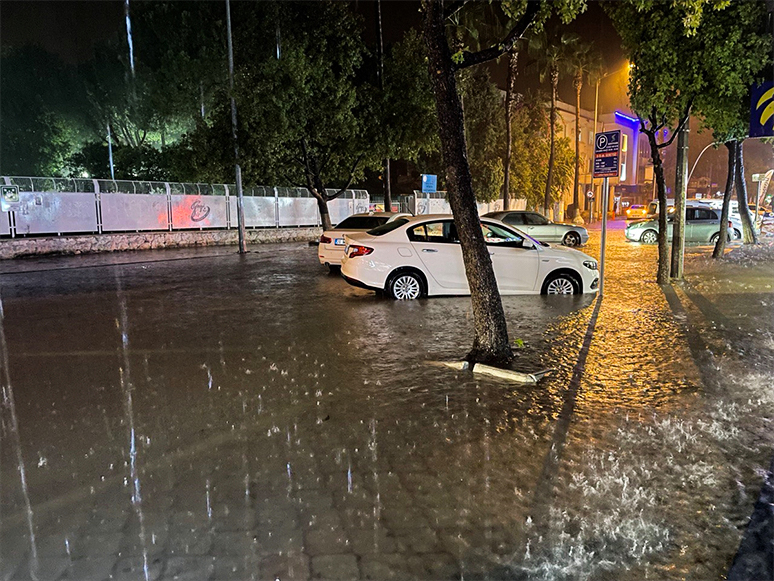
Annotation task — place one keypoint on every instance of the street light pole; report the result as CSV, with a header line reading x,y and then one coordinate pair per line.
x,y
596,114
240,198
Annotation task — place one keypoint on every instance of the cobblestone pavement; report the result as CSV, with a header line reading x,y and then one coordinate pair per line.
x,y
222,417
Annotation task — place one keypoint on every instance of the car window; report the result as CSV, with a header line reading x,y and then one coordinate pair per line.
x,y
437,232
388,227
702,214
690,214
496,236
361,222
535,219
515,219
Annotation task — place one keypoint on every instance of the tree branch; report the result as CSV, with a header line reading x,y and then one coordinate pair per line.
x,y
349,181
469,59
453,7
683,121
292,182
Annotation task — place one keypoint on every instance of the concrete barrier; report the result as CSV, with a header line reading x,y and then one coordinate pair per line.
x,y
93,243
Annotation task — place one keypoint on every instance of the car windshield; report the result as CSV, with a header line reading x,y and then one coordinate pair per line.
x,y
388,227
361,222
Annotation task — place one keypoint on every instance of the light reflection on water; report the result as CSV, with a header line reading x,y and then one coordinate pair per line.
x,y
283,416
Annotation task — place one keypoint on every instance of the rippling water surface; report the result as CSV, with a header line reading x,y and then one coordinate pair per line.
x,y
226,417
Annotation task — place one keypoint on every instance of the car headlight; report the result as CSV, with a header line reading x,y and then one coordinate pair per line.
x,y
590,264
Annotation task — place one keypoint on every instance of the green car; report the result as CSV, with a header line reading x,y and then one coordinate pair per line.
x,y
701,225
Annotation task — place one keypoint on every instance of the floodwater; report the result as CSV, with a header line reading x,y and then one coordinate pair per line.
x,y
199,415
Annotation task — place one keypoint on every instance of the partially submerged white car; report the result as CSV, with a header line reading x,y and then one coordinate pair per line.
x,y
331,247
409,258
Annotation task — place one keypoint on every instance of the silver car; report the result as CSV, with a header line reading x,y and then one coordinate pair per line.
x,y
540,227
702,225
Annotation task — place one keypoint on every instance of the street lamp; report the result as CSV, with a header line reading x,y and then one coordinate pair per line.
x,y
629,66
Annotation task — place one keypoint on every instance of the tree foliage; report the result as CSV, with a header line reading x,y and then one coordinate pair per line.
x,y
36,129
531,152
485,132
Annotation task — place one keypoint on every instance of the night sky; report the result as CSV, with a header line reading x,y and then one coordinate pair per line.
x,y
69,29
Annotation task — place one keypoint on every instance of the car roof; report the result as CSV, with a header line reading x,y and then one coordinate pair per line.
x,y
377,214
424,217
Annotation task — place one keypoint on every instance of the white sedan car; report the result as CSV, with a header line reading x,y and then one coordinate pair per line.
x,y
331,247
421,256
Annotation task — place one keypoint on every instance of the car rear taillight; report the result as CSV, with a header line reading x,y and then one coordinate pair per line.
x,y
355,250
325,240
730,225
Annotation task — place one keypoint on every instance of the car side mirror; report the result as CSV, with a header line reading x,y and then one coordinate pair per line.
x,y
527,244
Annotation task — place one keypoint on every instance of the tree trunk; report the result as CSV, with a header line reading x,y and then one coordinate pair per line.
x,y
322,207
387,187
551,155
490,342
662,276
681,191
578,83
749,235
510,98
720,245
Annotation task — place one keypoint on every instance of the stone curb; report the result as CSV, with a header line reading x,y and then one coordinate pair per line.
x,y
96,243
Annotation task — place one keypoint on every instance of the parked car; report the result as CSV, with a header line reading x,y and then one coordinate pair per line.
x,y
331,247
540,227
421,256
636,212
702,224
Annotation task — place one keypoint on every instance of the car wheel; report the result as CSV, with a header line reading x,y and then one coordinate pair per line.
x,y
737,234
716,236
571,239
649,237
405,286
561,284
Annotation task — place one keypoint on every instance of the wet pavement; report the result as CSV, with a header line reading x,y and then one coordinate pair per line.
x,y
199,415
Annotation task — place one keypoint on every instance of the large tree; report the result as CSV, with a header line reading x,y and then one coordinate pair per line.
x,y
490,342
665,80
738,52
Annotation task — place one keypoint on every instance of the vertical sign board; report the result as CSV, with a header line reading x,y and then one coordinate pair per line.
x,y
9,199
607,152
762,110
607,164
429,183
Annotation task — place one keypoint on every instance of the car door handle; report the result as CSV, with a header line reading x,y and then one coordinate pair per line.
x,y
429,250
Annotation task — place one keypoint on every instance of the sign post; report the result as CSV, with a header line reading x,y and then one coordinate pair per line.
x,y
607,157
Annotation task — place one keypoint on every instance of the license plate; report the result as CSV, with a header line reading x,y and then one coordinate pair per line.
x,y
338,241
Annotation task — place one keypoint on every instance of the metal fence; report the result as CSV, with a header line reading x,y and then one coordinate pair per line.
x,y
436,203
70,206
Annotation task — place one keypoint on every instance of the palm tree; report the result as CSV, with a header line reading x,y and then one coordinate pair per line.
x,y
552,61
584,61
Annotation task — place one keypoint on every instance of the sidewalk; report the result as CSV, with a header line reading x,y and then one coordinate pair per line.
x,y
735,297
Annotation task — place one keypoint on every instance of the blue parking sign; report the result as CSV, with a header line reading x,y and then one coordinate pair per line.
x,y
429,183
607,154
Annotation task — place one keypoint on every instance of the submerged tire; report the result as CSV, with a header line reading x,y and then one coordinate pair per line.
x,y
571,239
649,237
406,286
561,284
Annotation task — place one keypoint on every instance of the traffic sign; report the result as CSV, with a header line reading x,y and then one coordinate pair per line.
x,y
9,198
607,154
429,183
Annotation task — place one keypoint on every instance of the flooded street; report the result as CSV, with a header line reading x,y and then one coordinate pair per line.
x,y
199,415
